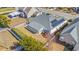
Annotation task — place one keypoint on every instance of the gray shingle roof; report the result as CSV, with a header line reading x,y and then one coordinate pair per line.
x,y
76,48
36,25
45,21
73,30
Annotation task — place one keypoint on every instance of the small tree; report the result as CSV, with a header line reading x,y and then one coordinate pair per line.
x,y
4,20
47,13
70,20
30,44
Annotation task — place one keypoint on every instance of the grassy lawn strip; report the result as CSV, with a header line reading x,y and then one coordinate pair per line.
x,y
6,9
18,33
29,43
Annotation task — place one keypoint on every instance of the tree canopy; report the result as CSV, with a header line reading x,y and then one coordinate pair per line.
x,y
4,20
29,43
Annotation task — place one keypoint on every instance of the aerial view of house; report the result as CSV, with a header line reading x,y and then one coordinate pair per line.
x,y
39,29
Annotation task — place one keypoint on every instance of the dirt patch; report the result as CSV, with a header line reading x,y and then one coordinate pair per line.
x,y
6,40
16,21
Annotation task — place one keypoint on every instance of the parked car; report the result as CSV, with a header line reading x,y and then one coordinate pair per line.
x,y
14,14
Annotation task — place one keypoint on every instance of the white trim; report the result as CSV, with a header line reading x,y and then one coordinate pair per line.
x,y
57,27
40,31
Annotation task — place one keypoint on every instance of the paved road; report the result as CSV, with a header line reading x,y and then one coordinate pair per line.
x,y
62,14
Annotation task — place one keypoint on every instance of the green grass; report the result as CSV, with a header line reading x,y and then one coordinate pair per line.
x,y
29,43
19,33
2,26
6,9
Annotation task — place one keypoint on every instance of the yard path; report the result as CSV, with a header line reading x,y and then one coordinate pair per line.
x,y
55,47
52,45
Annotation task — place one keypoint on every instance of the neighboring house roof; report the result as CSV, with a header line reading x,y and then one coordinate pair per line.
x,y
74,21
71,34
46,21
76,9
20,8
28,11
31,12
76,47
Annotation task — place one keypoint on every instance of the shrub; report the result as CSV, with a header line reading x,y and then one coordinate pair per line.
x,y
29,43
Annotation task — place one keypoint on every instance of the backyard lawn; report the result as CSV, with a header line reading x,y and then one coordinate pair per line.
x,y
28,33
29,43
6,40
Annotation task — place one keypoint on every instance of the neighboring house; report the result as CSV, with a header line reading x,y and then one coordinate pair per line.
x,y
20,8
28,11
76,47
45,22
70,34
76,9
